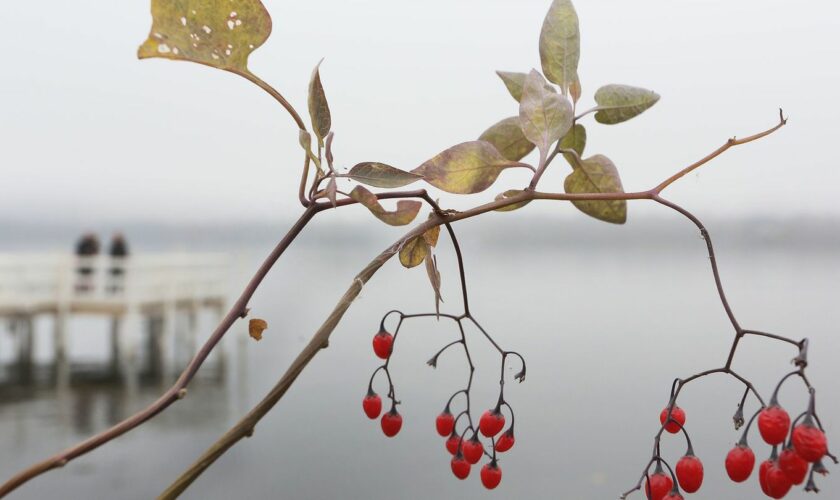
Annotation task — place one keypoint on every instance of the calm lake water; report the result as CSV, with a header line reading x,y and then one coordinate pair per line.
x,y
606,317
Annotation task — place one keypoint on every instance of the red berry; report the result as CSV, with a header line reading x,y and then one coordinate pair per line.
x,y
773,423
452,443
739,463
492,422
460,467
491,475
778,483
689,472
809,442
794,466
676,414
763,469
383,342
660,484
444,423
372,404
391,423
672,496
472,449
505,442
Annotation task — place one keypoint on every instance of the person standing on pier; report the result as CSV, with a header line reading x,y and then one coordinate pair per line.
x,y
118,252
87,248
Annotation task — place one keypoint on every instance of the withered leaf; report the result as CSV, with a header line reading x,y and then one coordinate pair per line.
x,y
217,33
574,139
508,139
319,109
405,213
597,174
381,175
560,44
466,168
414,252
509,194
256,328
619,103
545,116
434,278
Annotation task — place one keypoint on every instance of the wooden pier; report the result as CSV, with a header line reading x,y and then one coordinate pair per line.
x,y
152,302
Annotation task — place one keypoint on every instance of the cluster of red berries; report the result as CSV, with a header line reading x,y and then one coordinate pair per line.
x,y
465,447
468,452
803,446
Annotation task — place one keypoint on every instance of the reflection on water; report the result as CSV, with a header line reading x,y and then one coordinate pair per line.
x,y
604,332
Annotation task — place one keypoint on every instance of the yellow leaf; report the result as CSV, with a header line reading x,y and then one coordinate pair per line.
x,y
256,327
218,33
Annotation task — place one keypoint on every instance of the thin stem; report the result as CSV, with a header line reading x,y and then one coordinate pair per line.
x,y
273,93
714,154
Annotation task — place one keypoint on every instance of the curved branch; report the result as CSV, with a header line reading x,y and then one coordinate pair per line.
x,y
245,427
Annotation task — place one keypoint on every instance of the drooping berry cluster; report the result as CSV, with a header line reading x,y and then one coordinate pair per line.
x,y
798,447
465,445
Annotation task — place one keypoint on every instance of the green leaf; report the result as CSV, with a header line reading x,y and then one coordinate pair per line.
x,y
545,116
619,103
218,33
414,252
381,175
509,194
560,44
319,109
466,168
597,174
508,138
405,213
574,139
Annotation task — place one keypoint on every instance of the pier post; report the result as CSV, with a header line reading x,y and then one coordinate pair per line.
x,y
23,328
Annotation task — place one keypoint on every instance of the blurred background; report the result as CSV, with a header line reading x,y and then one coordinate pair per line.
x,y
198,169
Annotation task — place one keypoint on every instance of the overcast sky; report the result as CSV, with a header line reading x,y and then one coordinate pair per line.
x,y
88,132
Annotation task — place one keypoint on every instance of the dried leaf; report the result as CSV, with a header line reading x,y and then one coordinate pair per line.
x,y
434,278
575,89
414,252
217,33
256,328
405,213
319,109
574,139
305,140
597,174
560,44
381,175
619,103
545,116
332,190
508,139
509,194
467,168
328,152
431,236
